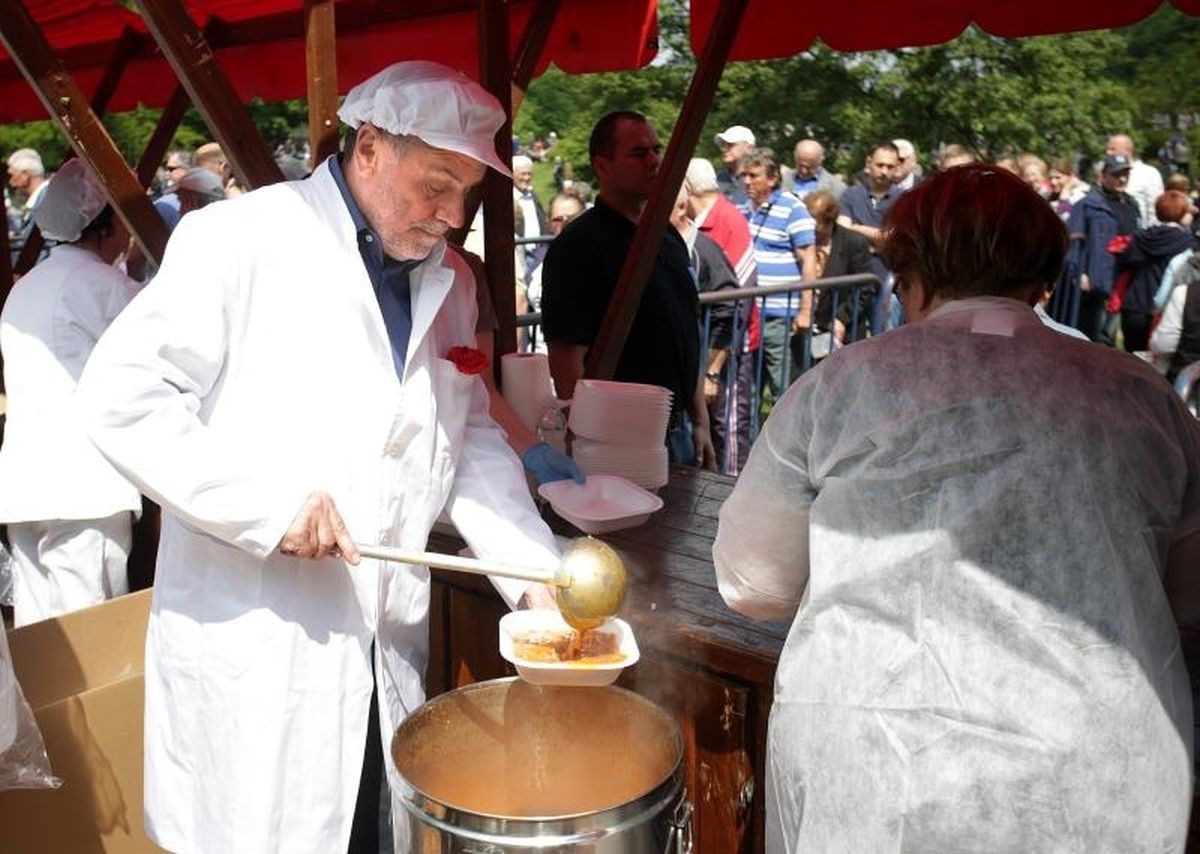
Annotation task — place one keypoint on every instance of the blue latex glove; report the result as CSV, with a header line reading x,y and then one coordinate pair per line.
x,y
548,464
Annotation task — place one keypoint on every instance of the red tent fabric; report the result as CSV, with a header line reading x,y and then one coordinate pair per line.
x,y
260,43
778,28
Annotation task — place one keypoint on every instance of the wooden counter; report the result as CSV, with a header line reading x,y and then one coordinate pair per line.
x,y
713,669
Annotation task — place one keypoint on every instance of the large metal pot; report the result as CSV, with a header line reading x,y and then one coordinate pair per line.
x,y
505,766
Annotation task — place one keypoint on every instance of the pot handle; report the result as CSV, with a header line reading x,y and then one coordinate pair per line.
x,y
679,835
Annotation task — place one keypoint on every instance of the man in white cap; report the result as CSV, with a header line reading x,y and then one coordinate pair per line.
x,y
69,513
27,176
735,143
299,377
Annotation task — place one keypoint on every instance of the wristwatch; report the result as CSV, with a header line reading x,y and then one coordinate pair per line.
x,y
712,375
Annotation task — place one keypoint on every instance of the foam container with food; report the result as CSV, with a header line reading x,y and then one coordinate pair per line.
x,y
534,625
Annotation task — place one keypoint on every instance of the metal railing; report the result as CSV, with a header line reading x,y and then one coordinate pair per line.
x,y
837,298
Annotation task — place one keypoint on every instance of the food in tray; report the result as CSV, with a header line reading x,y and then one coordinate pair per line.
x,y
551,645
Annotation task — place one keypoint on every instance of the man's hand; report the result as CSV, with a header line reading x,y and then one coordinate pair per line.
x,y
318,532
1085,283
706,454
539,596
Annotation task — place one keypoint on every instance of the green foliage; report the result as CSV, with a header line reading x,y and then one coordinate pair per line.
x,y
1052,95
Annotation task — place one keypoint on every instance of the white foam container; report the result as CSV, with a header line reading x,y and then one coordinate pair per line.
x,y
603,503
580,673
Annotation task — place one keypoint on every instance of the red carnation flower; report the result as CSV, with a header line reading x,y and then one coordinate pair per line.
x,y
468,360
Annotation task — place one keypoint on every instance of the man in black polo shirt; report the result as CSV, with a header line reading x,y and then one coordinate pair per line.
x,y
580,274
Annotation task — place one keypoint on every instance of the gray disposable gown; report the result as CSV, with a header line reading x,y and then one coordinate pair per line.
x,y
972,515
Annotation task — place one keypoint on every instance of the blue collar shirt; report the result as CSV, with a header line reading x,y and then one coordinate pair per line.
x,y
389,277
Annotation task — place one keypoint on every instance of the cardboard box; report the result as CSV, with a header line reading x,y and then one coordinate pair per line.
x,y
83,675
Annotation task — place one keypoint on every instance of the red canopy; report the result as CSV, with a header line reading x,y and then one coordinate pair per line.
x,y
260,43
777,28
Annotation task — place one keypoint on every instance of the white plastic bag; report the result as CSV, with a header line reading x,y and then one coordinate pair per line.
x,y
23,760
6,576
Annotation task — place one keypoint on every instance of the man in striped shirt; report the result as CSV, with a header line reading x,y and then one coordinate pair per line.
x,y
783,233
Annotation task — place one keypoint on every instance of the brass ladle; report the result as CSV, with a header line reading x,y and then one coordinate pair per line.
x,y
590,578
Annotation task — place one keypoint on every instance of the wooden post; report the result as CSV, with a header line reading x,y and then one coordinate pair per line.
x,y
69,108
128,42
497,189
320,39
122,51
195,64
160,140
643,252
533,41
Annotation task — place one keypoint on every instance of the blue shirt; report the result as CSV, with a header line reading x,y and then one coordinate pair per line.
x,y
389,277
779,227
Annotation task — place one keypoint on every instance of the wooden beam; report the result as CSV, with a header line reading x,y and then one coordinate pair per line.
x,y
643,252
533,42
126,46
69,109
320,42
123,51
192,58
496,76
160,140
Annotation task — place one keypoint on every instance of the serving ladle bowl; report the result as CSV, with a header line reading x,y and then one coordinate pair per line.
x,y
590,578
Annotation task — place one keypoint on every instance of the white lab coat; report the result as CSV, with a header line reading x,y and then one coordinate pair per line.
x,y
51,321
255,369
972,516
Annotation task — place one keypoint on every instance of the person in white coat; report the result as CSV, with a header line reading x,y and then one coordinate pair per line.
x,y
69,513
309,386
984,548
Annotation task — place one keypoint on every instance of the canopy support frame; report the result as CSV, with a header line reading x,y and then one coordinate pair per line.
x,y
70,110
320,42
195,64
635,272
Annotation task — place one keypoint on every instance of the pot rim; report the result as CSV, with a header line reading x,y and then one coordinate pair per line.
x,y
456,819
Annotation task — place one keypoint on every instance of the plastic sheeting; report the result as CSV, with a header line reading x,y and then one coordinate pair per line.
x,y
23,760
984,658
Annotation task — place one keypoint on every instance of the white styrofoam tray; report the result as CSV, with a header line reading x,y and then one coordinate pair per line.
x,y
602,503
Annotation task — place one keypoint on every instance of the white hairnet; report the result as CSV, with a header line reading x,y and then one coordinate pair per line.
x,y
26,160
72,200
442,107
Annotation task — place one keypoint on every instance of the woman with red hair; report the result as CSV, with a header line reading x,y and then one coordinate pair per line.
x,y
983,532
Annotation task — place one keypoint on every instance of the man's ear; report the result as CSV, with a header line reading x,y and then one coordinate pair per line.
x,y
366,149
600,166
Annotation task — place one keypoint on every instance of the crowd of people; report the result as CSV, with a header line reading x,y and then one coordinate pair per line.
x,y
1131,232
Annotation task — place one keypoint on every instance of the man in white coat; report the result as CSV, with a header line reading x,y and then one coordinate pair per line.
x,y
295,392
69,513
985,548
